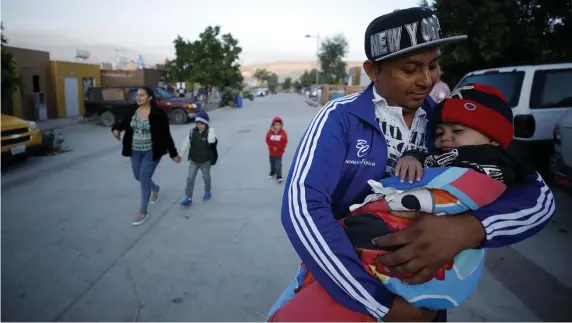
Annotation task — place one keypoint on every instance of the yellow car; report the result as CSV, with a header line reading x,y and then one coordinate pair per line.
x,y
19,137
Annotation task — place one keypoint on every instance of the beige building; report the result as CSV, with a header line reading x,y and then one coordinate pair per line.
x,y
29,100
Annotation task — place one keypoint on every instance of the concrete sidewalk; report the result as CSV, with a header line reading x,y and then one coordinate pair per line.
x,y
69,251
54,124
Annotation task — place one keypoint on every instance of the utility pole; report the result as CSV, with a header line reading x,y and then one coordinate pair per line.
x,y
317,36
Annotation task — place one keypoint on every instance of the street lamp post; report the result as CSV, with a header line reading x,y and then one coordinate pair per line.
x,y
317,36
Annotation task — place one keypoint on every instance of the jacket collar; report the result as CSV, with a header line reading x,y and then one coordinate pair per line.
x,y
365,107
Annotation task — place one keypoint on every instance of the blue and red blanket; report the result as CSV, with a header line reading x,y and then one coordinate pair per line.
x,y
443,191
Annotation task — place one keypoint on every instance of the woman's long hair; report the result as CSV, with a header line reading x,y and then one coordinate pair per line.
x,y
150,94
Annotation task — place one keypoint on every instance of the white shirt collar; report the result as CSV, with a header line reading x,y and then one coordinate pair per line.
x,y
381,102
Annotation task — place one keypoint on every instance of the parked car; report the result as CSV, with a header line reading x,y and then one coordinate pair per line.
x,y
19,137
539,95
110,103
561,161
259,91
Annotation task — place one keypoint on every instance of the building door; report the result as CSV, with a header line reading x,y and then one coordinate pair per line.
x,y
71,93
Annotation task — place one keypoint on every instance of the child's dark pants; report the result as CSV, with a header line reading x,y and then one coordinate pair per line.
x,y
276,166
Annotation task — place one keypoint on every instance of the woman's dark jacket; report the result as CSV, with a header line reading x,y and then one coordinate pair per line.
x,y
160,133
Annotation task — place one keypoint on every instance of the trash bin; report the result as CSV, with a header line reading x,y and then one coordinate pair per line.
x,y
238,102
336,95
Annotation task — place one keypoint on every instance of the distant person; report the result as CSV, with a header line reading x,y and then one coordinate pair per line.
x,y
441,90
147,138
201,146
276,140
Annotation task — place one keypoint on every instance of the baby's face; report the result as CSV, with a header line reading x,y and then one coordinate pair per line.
x,y
451,135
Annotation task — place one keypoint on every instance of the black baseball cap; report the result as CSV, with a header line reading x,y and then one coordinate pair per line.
x,y
404,31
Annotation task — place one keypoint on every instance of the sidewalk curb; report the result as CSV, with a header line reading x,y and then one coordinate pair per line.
x,y
64,124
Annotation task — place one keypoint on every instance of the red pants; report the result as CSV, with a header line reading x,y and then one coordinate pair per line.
x,y
312,303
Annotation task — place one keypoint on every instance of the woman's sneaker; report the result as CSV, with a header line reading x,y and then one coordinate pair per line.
x,y
155,196
271,176
186,202
207,196
140,218
280,180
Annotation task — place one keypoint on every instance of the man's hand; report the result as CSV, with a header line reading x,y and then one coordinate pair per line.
x,y
401,311
429,244
176,159
116,135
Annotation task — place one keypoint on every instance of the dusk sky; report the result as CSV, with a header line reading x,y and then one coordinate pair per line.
x,y
267,30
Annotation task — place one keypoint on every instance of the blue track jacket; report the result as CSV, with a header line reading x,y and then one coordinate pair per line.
x,y
343,148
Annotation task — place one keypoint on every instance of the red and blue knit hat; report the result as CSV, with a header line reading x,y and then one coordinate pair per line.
x,y
478,106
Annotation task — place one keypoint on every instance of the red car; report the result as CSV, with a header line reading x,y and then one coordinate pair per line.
x,y
109,103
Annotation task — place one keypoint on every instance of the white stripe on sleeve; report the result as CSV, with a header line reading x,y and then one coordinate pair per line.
x,y
304,224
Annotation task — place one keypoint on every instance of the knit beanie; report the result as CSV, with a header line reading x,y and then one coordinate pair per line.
x,y
202,117
478,106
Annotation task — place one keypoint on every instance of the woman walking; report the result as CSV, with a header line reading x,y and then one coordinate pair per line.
x,y
147,138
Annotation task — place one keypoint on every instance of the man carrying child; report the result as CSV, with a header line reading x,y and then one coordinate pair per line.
x,y
361,136
471,169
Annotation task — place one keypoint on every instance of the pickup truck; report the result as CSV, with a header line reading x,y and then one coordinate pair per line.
x,y
19,137
110,103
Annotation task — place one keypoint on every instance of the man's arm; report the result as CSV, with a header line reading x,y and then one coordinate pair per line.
x,y
521,212
432,241
317,237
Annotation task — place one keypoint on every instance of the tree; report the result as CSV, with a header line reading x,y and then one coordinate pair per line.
x,y
10,75
272,82
261,75
212,60
297,85
180,69
423,4
503,33
287,84
309,78
332,52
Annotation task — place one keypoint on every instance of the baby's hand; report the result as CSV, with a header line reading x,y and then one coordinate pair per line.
x,y
411,165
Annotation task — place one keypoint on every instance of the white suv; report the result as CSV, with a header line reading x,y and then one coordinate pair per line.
x,y
539,96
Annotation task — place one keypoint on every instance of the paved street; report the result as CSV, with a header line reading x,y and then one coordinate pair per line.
x,y
70,253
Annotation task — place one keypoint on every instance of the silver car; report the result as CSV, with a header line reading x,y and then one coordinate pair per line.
x,y
561,161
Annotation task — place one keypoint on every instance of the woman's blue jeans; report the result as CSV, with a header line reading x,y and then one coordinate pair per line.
x,y
143,167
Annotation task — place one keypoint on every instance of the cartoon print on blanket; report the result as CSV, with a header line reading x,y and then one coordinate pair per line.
x,y
441,191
